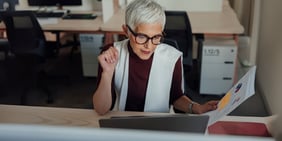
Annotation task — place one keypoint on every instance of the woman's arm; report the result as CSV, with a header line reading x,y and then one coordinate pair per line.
x,y
102,98
188,106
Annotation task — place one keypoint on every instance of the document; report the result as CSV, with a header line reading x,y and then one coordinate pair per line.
x,y
240,92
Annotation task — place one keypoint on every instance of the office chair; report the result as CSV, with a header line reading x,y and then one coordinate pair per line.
x,y
178,27
171,42
4,47
29,49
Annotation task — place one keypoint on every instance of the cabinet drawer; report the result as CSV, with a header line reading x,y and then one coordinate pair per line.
x,y
217,71
215,86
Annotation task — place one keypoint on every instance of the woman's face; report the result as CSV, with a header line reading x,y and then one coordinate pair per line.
x,y
151,33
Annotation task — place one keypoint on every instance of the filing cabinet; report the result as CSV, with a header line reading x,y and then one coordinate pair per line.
x,y
218,61
90,45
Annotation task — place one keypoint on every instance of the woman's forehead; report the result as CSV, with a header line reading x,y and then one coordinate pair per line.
x,y
149,28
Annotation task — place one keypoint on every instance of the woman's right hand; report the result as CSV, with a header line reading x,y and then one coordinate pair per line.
x,y
108,60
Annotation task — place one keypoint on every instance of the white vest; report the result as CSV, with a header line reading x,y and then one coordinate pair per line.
x,y
160,77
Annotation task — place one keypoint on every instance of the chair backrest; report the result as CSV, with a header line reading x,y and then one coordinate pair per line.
x,y
24,33
171,42
178,28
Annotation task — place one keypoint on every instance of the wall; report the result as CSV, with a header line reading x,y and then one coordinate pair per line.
x,y
191,5
269,57
248,15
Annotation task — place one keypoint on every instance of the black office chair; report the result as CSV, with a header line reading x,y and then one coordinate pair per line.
x,y
178,27
171,42
29,49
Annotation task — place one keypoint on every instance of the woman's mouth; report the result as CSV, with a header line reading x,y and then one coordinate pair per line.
x,y
145,52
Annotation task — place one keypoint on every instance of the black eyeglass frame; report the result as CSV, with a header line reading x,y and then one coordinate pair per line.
x,y
147,37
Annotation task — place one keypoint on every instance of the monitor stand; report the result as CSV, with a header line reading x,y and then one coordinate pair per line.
x,y
61,9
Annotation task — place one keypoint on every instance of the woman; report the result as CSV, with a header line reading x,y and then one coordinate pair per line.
x,y
141,73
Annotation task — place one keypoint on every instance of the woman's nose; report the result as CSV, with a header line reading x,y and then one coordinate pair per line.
x,y
149,44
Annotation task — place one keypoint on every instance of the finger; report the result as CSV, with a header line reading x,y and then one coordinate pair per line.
x,y
107,55
114,54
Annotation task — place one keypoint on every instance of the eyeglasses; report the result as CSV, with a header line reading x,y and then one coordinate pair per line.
x,y
143,38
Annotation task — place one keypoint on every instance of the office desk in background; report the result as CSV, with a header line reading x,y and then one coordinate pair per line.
x,y
209,23
72,25
69,25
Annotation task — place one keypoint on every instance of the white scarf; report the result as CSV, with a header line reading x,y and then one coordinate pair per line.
x,y
159,84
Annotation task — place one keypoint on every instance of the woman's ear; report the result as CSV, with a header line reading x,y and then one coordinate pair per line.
x,y
125,30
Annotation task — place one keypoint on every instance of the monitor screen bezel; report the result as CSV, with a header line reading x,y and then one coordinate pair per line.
x,y
54,2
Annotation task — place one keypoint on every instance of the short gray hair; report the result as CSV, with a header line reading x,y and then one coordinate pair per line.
x,y
143,12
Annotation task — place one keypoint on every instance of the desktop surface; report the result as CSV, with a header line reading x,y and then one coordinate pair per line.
x,y
16,132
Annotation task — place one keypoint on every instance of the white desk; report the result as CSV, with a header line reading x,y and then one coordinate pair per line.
x,y
76,26
57,116
32,115
224,22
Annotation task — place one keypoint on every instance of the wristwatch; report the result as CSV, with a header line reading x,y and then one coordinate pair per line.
x,y
191,106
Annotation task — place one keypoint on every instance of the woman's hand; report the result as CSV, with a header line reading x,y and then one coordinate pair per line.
x,y
108,60
208,106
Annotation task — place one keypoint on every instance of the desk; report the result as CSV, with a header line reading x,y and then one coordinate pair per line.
x,y
57,116
224,23
74,26
80,117
217,23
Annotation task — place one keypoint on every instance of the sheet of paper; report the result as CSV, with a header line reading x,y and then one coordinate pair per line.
x,y
241,91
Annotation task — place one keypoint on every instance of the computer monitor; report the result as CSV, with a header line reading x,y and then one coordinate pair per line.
x,y
8,5
58,3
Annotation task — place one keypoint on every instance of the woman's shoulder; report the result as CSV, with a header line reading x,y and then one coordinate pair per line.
x,y
166,48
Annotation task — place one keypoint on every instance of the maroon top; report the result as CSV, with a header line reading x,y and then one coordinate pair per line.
x,y
138,76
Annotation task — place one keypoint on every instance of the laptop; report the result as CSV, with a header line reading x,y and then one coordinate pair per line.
x,y
177,123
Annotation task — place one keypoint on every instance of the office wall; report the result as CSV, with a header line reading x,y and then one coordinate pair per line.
x,y
269,57
86,5
248,12
191,5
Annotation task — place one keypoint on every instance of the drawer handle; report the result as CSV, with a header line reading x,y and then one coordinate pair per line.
x,y
227,78
228,62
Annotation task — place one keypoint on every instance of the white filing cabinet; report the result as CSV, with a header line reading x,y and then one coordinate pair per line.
x,y
90,49
218,61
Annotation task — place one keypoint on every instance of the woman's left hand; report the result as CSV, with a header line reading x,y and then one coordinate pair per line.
x,y
203,108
